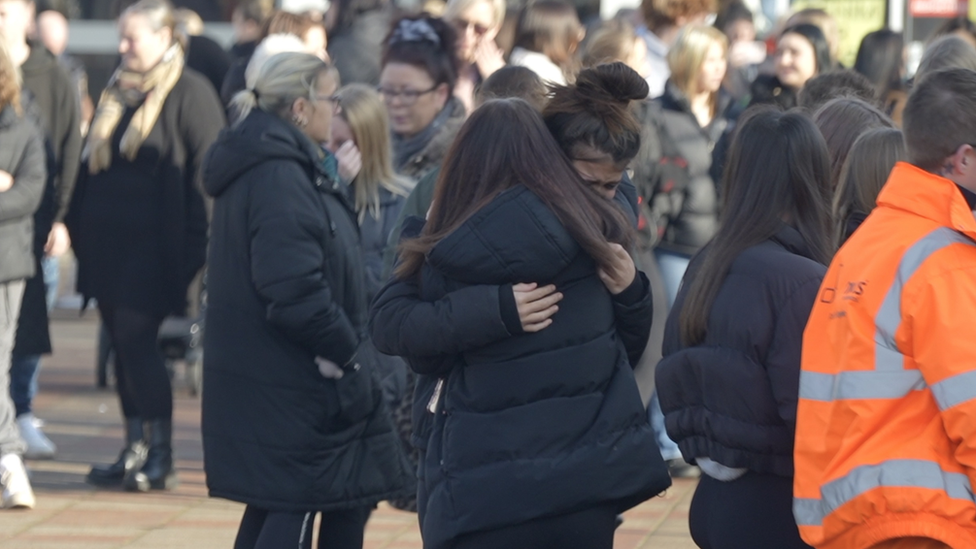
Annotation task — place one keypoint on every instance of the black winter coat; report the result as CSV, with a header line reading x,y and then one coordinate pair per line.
x,y
375,234
286,285
678,170
528,425
22,156
205,56
33,331
56,97
732,398
139,229
767,89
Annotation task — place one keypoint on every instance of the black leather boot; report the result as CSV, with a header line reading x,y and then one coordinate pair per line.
x,y
131,458
157,473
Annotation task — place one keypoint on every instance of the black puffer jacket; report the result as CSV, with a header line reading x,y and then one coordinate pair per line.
x,y
286,285
22,156
529,425
678,170
732,398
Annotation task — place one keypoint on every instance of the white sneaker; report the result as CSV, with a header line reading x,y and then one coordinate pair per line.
x,y
38,445
17,492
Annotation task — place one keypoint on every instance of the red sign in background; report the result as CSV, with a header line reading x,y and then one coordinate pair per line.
x,y
938,8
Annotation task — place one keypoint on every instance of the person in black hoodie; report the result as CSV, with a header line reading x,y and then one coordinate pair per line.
x,y
139,223
729,379
526,404
55,97
294,422
22,182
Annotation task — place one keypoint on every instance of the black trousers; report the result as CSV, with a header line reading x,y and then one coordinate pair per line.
x,y
589,529
749,512
141,378
261,529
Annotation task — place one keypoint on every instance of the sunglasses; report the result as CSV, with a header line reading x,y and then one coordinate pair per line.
x,y
462,27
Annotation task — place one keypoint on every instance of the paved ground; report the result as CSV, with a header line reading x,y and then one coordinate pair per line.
x,y
84,422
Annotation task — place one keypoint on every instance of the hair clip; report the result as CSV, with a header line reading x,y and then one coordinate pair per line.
x,y
415,30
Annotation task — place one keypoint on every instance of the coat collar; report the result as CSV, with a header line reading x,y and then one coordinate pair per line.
x,y
515,237
925,194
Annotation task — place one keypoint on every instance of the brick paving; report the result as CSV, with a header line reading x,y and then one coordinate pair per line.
x,y
84,422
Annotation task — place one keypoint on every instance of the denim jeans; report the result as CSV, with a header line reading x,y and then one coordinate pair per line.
x,y
24,369
672,266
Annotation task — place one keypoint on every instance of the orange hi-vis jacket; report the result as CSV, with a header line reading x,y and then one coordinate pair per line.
x,y
886,420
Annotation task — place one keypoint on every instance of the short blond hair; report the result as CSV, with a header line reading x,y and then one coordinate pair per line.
x,y
280,81
454,8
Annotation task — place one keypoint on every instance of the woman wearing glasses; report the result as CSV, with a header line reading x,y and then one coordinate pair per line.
x,y
476,22
294,422
417,84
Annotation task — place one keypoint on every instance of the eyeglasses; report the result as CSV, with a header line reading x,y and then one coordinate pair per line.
x,y
462,27
334,99
407,97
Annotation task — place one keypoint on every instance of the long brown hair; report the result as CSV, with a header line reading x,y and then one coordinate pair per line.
x,y
866,170
778,169
503,144
841,122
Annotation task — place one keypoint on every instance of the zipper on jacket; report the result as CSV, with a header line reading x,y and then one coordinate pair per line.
x,y
436,397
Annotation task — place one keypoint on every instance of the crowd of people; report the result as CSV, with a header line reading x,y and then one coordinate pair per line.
x,y
511,271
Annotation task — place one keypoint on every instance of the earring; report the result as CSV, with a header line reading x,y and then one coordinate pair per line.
x,y
300,121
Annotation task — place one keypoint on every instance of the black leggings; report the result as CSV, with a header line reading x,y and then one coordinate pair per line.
x,y
751,511
141,378
261,529
592,529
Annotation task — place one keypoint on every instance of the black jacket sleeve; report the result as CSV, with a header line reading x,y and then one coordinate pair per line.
x,y
783,357
201,119
285,222
69,141
633,311
403,324
24,197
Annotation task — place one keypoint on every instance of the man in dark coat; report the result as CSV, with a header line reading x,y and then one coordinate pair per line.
x,y
56,99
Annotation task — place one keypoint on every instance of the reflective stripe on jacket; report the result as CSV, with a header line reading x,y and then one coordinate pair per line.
x,y
886,422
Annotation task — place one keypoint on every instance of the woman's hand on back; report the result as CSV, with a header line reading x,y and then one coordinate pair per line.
x,y
536,305
621,273
6,181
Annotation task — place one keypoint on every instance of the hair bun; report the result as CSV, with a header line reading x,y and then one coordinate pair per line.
x,y
617,80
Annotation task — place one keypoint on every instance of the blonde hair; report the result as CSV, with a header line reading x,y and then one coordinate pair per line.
x,y
10,81
687,55
613,40
455,8
364,111
865,172
281,80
